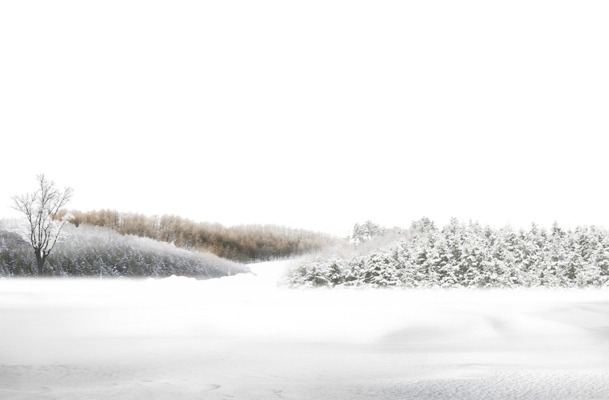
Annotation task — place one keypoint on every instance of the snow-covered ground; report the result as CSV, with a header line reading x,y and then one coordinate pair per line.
x,y
242,337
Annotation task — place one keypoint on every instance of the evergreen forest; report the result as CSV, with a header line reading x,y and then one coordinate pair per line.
x,y
461,255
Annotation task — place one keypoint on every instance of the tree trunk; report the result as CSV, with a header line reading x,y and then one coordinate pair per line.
x,y
40,259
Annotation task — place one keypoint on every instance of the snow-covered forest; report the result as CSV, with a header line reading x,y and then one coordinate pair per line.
x,y
462,255
97,251
243,243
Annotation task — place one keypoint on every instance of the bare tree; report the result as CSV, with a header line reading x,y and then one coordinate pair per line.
x,y
40,210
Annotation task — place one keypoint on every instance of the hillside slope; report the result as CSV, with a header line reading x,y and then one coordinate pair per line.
x,y
95,251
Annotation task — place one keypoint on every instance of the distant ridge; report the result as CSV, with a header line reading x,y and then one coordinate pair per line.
x,y
244,243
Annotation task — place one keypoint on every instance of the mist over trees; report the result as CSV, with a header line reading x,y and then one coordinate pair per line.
x,y
366,231
465,255
244,243
99,251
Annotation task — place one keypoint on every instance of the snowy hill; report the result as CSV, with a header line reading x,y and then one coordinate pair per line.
x,y
96,251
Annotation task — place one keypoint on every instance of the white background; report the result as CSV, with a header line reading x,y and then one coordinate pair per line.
x,y
314,114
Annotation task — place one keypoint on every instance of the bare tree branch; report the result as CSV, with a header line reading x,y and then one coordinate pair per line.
x,y
40,210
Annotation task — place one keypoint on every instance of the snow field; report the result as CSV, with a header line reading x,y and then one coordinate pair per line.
x,y
245,337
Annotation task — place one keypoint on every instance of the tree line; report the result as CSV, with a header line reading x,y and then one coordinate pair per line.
x,y
243,243
464,255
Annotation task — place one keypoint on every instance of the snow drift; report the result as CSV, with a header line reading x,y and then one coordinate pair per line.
x,y
244,337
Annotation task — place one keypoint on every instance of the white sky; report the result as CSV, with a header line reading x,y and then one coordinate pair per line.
x,y
313,114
